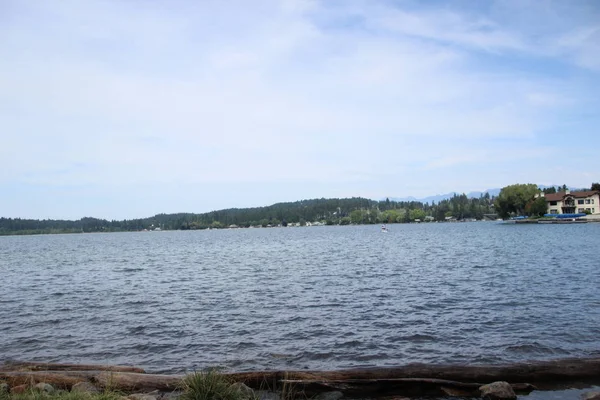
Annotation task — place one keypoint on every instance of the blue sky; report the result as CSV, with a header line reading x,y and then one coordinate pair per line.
x,y
124,109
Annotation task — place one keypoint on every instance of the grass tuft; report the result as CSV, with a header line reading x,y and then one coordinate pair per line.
x,y
209,385
289,391
61,395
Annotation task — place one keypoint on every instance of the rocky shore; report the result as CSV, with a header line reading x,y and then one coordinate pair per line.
x,y
406,382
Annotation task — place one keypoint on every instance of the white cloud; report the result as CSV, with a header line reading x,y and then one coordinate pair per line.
x,y
583,45
353,93
453,28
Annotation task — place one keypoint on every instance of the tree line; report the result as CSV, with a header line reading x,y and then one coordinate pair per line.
x,y
333,211
513,199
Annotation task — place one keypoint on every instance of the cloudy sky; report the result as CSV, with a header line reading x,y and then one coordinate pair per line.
x,y
128,108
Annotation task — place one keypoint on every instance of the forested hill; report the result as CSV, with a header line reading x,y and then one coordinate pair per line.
x,y
327,211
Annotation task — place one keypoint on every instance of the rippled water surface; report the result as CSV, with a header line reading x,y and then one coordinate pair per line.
x,y
293,298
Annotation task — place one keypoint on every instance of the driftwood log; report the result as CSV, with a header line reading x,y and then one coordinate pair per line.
x,y
59,379
546,375
38,366
124,381
131,381
390,387
409,380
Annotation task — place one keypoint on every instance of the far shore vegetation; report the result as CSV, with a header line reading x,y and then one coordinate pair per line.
x,y
513,200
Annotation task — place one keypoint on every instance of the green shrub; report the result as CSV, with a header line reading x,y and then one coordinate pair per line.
x,y
209,385
61,395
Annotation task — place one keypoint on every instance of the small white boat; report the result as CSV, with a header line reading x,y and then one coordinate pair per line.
x,y
384,229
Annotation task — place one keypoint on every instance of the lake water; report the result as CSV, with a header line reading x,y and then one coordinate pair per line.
x,y
294,298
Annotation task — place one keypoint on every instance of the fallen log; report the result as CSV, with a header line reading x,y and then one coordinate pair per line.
x,y
124,381
38,366
384,387
388,387
128,381
59,379
546,375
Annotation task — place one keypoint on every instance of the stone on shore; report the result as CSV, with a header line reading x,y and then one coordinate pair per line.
x,y
44,387
266,395
246,391
143,396
330,396
498,391
171,395
591,396
454,392
19,389
84,387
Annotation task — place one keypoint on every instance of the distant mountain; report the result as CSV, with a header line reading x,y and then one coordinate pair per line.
x,y
572,188
472,195
491,192
439,197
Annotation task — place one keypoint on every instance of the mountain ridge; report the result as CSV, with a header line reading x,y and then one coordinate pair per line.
x,y
439,197
471,195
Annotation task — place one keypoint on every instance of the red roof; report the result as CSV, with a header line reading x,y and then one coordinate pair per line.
x,y
561,195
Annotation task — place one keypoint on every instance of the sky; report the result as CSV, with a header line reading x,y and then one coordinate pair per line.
x,y
128,108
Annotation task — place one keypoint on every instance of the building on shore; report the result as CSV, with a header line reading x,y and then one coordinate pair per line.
x,y
567,202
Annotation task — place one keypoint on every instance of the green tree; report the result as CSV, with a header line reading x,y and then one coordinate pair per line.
x,y
406,216
357,217
373,215
537,207
216,225
389,216
417,213
514,198
596,186
441,210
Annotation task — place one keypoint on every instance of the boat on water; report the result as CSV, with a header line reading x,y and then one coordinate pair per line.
x,y
549,219
384,229
514,220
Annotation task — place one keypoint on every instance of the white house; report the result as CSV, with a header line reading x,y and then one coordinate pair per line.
x,y
574,202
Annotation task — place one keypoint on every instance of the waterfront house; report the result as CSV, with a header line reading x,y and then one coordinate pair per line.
x,y
568,202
